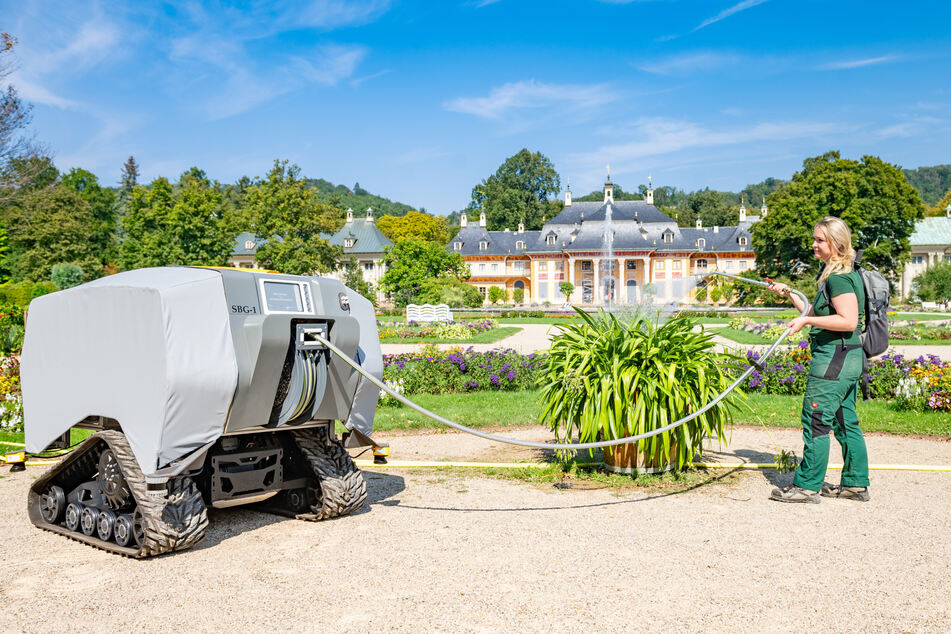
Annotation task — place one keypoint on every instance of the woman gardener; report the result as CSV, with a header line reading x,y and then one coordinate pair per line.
x,y
835,318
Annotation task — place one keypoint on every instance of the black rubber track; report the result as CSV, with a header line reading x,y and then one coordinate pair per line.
x,y
341,486
175,521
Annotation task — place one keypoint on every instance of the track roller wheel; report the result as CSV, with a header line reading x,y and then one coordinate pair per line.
x,y
125,531
87,520
105,524
299,500
74,513
53,505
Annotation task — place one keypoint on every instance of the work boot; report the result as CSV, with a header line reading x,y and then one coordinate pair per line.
x,y
859,494
795,494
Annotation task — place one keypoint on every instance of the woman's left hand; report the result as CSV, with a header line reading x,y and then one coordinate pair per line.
x,y
798,324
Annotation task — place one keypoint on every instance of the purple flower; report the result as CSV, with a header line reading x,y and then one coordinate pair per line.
x,y
511,375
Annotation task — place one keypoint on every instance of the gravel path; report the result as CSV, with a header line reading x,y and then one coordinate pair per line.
x,y
433,551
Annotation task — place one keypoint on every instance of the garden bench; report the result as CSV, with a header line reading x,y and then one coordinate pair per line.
x,y
428,312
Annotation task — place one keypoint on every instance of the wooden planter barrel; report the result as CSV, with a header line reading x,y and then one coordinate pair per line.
x,y
632,458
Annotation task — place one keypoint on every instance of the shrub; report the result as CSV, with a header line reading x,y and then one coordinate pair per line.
x,y
67,275
518,295
11,397
496,294
448,291
609,379
435,371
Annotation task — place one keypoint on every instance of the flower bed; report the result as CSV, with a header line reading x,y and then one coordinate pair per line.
x,y
770,330
920,384
916,332
435,371
438,330
11,398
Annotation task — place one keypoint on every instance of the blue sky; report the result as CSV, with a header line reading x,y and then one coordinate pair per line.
x,y
419,101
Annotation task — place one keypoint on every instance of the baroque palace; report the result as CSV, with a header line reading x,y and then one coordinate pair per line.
x,y
610,251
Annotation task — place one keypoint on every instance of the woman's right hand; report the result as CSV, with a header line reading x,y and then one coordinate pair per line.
x,y
779,288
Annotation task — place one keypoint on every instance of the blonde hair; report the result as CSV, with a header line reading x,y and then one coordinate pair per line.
x,y
840,239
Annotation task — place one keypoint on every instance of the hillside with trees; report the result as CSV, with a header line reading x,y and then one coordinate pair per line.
x,y
931,182
357,198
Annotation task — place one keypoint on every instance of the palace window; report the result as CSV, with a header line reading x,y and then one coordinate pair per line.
x,y
457,246
543,266
550,240
249,245
917,259
743,241
668,237
482,267
700,265
729,265
559,266
495,266
543,290
660,265
349,242
676,265
586,265
744,264
483,245
701,243
368,266
520,244
631,265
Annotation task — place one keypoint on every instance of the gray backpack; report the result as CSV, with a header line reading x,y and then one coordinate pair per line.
x,y
877,295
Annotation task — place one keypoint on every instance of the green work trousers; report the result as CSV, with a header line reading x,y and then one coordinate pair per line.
x,y
829,405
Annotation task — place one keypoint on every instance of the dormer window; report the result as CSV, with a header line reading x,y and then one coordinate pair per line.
x,y
743,241
249,245
483,245
349,242
457,246
701,243
520,244
668,237
550,239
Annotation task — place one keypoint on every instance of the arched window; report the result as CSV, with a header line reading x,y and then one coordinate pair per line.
x,y
249,245
483,245
743,241
520,244
457,246
550,239
701,243
668,237
349,242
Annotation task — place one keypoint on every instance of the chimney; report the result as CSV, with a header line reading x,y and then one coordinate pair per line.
x,y
699,224
369,214
716,229
349,215
521,227
463,220
482,220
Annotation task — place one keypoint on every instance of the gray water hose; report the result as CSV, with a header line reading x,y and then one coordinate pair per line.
x,y
572,446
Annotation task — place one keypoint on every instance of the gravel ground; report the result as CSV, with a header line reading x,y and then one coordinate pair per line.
x,y
433,551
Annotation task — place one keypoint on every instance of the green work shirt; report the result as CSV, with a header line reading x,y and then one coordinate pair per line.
x,y
838,284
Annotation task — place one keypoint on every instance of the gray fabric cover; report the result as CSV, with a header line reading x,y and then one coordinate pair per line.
x,y
370,357
151,348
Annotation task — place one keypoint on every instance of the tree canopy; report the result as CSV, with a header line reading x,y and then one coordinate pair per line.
x,y
519,191
411,262
414,225
931,182
871,196
290,216
934,285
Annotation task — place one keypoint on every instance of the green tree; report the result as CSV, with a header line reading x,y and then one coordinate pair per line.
x,y
165,227
931,182
449,291
496,294
934,285
871,196
66,275
411,262
353,278
566,288
519,191
708,205
291,216
941,208
102,202
414,225
518,295
48,226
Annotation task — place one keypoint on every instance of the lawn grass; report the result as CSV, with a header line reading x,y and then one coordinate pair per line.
x,y
508,409
489,336
741,336
75,436
920,317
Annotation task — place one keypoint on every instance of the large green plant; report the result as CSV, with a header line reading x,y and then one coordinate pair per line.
x,y
609,378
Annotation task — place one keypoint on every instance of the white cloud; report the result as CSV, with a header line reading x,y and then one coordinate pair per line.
x,y
658,136
689,63
33,92
742,6
531,94
858,63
